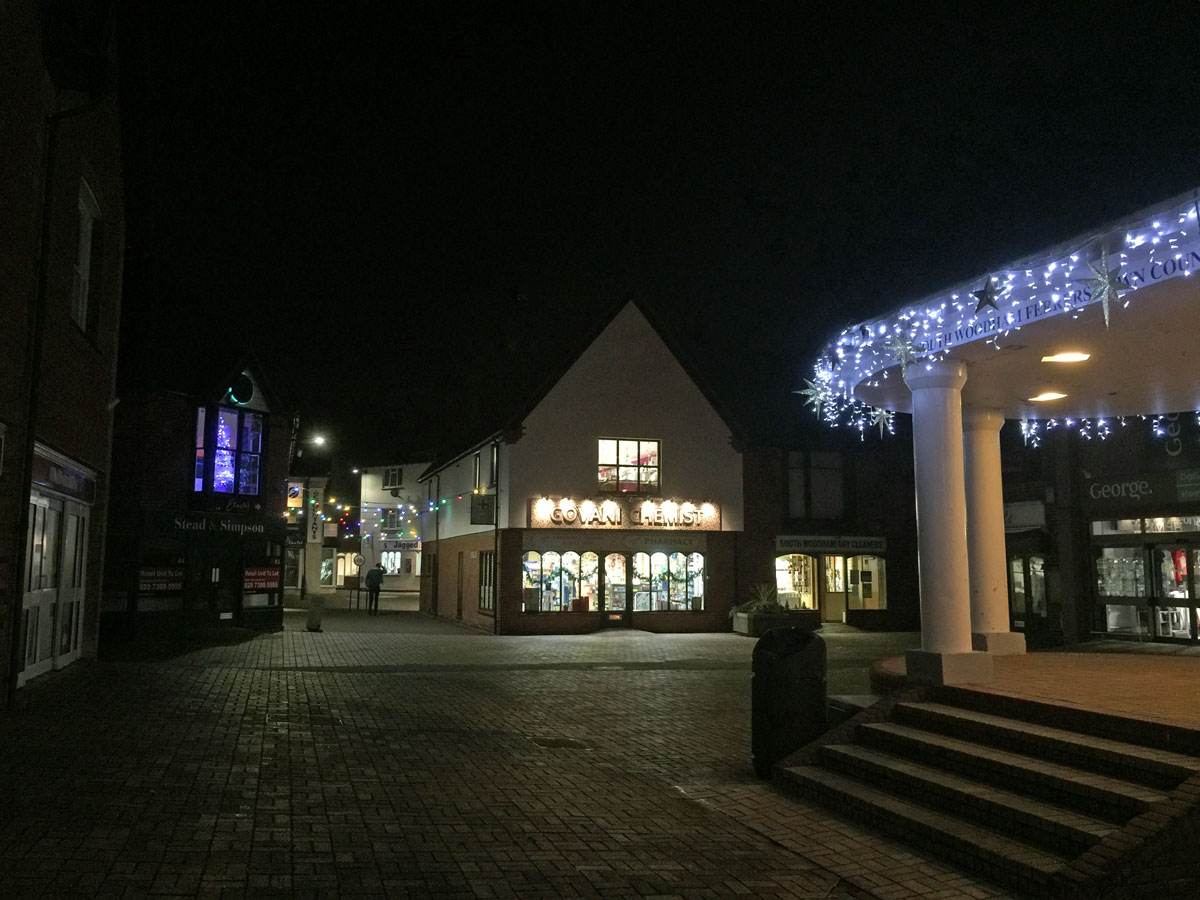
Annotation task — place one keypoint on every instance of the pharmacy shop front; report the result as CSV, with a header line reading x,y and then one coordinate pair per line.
x,y
662,566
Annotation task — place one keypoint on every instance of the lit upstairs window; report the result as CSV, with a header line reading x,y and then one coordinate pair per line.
x,y
229,445
628,466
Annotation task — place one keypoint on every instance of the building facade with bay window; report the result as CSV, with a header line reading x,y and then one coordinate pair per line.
x,y
199,530
615,500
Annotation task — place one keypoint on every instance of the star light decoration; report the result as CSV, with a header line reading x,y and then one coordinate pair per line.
x,y
902,351
986,296
1106,283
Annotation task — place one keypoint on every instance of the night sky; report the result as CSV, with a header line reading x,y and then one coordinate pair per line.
x,y
419,213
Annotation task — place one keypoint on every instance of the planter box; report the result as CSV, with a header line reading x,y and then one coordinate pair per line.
x,y
756,624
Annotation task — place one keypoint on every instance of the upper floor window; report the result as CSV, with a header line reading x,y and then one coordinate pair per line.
x,y
628,466
229,450
494,474
393,477
477,479
85,288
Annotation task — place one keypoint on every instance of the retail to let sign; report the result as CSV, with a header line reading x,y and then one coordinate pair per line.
x,y
160,580
632,512
260,578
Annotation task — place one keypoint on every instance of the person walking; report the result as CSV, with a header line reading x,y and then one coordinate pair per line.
x,y
374,584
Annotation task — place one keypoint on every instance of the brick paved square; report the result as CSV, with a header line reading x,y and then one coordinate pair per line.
x,y
433,765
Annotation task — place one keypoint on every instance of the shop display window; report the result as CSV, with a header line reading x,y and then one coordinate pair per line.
x,y
1120,572
571,582
867,580
236,444
795,581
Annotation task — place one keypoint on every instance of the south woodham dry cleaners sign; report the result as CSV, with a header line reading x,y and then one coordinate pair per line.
x,y
624,512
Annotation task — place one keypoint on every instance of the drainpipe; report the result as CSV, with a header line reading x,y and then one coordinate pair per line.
x,y
30,379
496,548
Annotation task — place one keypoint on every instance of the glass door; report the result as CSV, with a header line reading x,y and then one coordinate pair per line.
x,y
1122,589
41,581
614,587
70,592
1172,616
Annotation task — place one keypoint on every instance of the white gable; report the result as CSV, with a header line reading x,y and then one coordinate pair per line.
x,y
627,384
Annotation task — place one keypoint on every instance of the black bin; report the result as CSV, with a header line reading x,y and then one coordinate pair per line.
x,y
787,695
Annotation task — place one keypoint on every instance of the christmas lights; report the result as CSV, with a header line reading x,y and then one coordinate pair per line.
x,y
1154,247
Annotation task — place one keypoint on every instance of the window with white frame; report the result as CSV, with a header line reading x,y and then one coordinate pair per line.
x,y
393,477
494,474
228,450
628,466
85,294
487,580
477,479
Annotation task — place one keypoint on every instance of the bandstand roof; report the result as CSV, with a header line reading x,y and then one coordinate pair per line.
x,y
1124,295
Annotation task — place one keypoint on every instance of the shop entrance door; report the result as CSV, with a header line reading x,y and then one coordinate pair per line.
x,y
1173,613
41,581
221,583
1029,610
614,590
70,592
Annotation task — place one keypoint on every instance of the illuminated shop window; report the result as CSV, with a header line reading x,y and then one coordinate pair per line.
x,y
628,466
571,582
867,577
234,445
668,583
795,581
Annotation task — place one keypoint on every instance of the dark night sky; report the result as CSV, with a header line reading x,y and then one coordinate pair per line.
x,y
359,196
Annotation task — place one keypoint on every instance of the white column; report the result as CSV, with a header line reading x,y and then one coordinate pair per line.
x,y
985,534
946,653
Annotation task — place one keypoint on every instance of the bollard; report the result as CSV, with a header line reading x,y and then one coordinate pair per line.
x,y
316,607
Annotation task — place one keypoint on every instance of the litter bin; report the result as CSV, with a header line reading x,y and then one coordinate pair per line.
x,y
787,695
316,608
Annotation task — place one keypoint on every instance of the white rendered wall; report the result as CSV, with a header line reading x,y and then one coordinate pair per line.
x,y
627,384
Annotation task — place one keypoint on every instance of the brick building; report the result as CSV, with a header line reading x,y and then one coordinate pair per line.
x,y
613,500
197,523
61,248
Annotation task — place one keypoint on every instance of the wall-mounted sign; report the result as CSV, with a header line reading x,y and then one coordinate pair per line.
x,y
624,512
316,495
63,479
399,545
1025,514
216,524
260,578
295,495
160,580
1142,491
483,509
824,543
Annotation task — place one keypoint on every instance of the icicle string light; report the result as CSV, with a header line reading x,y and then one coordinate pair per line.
x,y
1099,269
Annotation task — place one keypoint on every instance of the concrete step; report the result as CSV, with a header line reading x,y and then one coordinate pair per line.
x,y
969,846
1156,768
1111,799
1027,819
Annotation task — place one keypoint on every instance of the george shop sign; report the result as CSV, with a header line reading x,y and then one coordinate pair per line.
x,y
1157,489
624,512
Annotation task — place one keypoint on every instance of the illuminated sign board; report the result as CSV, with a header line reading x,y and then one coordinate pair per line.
x,y
627,512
